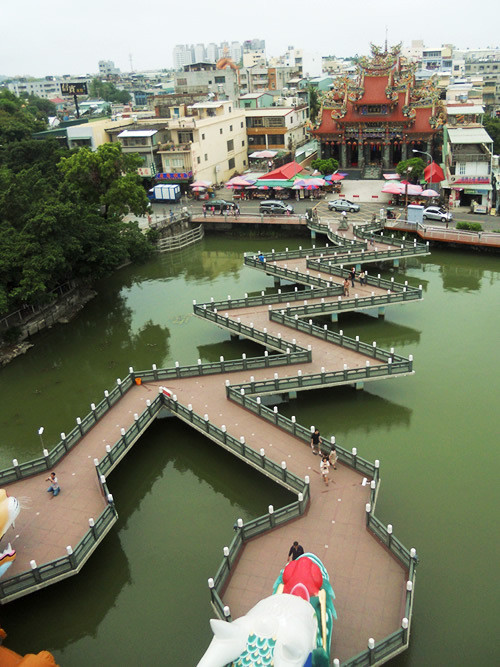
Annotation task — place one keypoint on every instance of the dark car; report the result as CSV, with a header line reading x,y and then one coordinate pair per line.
x,y
274,207
222,205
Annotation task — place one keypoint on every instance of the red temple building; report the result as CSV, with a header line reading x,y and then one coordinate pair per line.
x,y
374,120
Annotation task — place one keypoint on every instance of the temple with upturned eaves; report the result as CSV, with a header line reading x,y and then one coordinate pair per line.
x,y
375,119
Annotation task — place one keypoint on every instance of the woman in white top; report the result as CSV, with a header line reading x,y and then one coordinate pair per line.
x,y
325,468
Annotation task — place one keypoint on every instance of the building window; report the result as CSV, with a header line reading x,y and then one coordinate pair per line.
x,y
230,128
230,109
203,137
185,137
241,124
230,145
243,142
182,82
198,160
220,79
231,163
206,157
461,169
220,130
244,163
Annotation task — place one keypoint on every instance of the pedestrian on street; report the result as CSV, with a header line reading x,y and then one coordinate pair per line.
x,y
296,550
324,466
352,275
204,209
315,441
333,458
54,487
213,210
171,215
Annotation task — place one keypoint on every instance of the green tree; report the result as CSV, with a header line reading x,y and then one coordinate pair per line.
x,y
325,166
492,127
106,90
412,169
314,103
106,179
17,121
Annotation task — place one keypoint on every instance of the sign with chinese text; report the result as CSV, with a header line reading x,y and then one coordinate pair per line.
x,y
79,88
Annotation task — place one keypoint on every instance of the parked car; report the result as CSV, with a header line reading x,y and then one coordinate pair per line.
x,y
222,205
275,207
437,213
343,205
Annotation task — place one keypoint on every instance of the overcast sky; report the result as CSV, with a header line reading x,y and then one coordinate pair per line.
x,y
41,38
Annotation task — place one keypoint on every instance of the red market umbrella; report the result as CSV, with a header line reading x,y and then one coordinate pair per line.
x,y
240,181
392,177
335,177
263,187
429,193
433,173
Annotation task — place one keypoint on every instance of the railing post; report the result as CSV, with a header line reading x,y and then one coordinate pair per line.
x,y
47,458
389,535
224,433
293,419
371,647
271,516
36,573
71,557
15,463
155,372
283,468
211,585
259,405
242,441
119,384
79,424
404,625
227,614
106,396
263,457
368,509
225,551
92,408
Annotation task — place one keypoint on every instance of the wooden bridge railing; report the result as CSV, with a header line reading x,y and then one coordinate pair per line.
x,y
180,241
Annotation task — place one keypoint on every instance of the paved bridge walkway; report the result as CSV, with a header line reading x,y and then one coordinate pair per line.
x,y
369,581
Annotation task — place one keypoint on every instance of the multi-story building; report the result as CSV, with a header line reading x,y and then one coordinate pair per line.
x,y
48,88
212,53
209,143
143,138
107,69
200,53
206,79
254,53
467,158
487,66
276,128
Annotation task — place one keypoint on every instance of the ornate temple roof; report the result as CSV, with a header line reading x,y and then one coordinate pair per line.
x,y
382,91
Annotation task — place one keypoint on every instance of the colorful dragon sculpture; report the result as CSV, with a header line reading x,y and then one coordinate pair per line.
x,y
291,628
9,511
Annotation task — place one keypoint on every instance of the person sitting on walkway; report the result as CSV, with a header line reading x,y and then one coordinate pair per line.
x,y
261,258
315,441
296,550
54,487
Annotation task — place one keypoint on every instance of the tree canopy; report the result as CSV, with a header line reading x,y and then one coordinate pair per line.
x,y
106,90
61,216
325,166
492,127
18,118
412,169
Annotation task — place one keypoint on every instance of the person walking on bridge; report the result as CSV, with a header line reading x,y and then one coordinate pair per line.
x,y
352,275
296,550
315,441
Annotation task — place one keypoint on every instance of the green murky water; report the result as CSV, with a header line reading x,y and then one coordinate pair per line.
x,y
143,596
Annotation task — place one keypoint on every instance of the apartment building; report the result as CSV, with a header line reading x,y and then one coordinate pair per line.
x,y
208,143
206,79
48,88
276,128
467,158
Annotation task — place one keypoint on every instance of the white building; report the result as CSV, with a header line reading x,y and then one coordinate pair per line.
x,y
209,143
276,128
48,88
107,68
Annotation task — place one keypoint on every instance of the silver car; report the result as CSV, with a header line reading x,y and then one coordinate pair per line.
x,y
343,205
437,213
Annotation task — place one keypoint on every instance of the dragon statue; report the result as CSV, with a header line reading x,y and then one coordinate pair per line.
x,y
9,511
291,628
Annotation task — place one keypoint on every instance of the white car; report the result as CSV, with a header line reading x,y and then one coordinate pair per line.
x,y
436,213
343,205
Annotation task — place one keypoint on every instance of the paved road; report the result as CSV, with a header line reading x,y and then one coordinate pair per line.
x,y
488,222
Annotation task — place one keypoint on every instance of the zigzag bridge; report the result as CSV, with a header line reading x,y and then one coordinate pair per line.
x,y
372,572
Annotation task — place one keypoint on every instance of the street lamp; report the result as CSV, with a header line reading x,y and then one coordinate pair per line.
x,y
423,153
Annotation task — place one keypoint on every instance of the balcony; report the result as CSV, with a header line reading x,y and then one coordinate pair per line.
x,y
175,148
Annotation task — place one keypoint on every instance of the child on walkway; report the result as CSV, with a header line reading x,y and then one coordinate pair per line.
x,y
325,468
